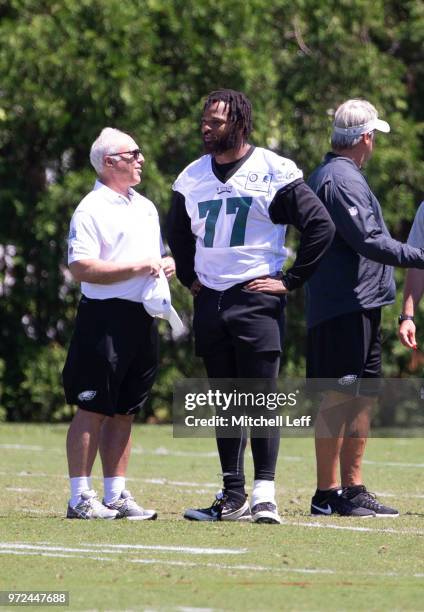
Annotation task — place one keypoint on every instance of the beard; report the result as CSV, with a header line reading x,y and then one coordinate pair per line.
x,y
224,142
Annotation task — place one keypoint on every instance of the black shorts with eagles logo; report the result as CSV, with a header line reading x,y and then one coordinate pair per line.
x,y
344,353
113,357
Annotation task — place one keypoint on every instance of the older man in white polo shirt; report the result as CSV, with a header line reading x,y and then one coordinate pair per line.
x,y
116,252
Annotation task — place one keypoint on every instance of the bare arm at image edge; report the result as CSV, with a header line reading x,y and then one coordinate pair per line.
x,y
414,289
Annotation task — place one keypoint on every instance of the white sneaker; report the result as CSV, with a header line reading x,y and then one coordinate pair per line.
x,y
127,507
265,512
90,508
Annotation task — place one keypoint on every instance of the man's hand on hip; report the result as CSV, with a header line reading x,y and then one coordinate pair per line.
x,y
195,287
267,284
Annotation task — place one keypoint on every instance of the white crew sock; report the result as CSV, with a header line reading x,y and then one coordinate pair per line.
x,y
263,491
78,485
113,488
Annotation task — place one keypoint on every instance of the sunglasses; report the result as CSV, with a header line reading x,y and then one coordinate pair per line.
x,y
135,155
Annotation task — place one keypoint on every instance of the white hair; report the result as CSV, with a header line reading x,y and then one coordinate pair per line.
x,y
351,113
104,144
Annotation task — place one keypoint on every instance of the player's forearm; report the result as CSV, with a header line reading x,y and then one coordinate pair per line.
x,y
414,289
181,240
108,272
300,207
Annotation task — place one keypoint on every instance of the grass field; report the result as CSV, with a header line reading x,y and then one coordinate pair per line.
x,y
174,565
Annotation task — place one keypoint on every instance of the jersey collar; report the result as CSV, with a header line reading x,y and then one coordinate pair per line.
x,y
223,172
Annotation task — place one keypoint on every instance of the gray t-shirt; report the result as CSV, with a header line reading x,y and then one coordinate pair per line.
x,y
416,235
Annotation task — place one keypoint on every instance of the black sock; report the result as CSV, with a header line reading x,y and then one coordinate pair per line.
x,y
234,485
321,494
231,455
353,490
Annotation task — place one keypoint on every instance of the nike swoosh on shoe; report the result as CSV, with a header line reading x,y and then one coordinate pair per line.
x,y
326,510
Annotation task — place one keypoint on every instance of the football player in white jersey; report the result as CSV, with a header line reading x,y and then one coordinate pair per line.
x,y
226,229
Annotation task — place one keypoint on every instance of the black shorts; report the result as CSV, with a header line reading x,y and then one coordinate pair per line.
x,y
113,357
345,349
236,319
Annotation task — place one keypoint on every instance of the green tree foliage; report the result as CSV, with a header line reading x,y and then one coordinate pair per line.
x,y
69,68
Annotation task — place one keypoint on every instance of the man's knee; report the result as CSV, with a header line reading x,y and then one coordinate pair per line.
x,y
120,420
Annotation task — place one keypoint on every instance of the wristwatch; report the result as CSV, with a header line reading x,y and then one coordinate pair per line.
x,y
404,317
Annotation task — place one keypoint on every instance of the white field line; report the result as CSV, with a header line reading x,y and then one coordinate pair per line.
x,y
218,566
172,483
192,550
378,493
398,464
24,474
156,481
23,490
162,451
292,458
292,523
177,483
384,494
255,568
190,609
25,553
137,450
352,528
24,447
118,548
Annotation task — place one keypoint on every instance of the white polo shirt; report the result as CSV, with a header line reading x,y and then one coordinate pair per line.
x,y
109,226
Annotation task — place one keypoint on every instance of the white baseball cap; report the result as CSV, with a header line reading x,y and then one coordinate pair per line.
x,y
365,128
156,296
177,326
157,303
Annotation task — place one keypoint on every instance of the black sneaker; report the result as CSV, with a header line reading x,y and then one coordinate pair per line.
x,y
225,508
359,496
266,512
333,501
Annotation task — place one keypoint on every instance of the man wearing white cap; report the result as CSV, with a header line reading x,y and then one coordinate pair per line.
x,y
345,296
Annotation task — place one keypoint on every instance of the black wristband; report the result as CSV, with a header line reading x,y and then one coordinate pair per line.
x,y
404,317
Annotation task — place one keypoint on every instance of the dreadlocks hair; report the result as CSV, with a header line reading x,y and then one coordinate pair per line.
x,y
239,114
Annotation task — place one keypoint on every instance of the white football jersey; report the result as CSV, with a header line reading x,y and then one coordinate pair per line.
x,y
235,238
